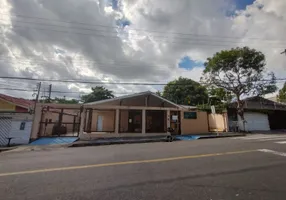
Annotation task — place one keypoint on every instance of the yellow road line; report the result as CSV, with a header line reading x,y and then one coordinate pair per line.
x,y
122,163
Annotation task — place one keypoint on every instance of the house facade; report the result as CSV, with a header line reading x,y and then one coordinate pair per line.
x,y
260,115
148,113
15,120
136,115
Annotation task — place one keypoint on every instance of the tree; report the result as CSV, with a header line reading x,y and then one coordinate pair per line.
x,y
240,71
185,91
219,96
282,94
159,93
65,101
60,100
98,93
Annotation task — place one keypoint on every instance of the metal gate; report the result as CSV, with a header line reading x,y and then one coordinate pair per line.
x,y
59,122
5,127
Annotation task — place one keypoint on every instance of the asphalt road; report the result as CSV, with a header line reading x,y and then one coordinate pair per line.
x,y
204,169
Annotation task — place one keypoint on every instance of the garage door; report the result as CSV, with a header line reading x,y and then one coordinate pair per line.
x,y
5,127
20,131
256,122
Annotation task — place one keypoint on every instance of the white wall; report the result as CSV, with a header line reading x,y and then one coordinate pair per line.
x,y
20,136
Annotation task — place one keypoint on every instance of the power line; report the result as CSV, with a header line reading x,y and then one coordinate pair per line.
x,y
39,61
117,37
17,89
136,34
56,91
142,30
53,91
80,81
106,83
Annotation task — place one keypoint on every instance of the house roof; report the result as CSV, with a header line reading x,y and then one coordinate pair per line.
x,y
17,101
133,95
188,107
261,103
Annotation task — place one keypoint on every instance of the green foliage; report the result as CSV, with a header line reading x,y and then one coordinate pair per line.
x,y
219,108
66,101
282,94
98,93
185,91
240,71
219,96
159,93
60,100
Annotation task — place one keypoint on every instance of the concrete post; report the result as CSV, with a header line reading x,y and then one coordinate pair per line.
x,y
82,120
143,121
117,121
225,116
168,119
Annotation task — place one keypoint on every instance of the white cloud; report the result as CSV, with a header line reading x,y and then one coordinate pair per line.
x,y
105,53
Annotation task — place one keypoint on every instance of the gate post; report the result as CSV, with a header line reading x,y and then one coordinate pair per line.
x,y
117,113
82,120
143,121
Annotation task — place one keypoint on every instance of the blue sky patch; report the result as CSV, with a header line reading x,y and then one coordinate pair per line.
x,y
238,5
242,4
123,22
113,3
187,63
59,51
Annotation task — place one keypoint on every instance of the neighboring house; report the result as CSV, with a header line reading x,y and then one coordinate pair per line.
x,y
260,115
15,120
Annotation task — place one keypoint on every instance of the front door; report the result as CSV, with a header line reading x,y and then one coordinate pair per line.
x,y
135,121
99,123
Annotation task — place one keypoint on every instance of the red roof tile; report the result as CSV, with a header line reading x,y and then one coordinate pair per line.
x,y
17,101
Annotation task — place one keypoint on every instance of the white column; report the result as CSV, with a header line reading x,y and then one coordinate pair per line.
x,y
82,120
143,121
168,119
117,121
225,116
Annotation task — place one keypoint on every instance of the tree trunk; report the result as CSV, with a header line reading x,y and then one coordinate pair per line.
x,y
240,110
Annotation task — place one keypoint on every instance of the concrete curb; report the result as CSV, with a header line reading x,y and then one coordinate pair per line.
x,y
26,148
220,136
95,143
200,137
6,149
145,140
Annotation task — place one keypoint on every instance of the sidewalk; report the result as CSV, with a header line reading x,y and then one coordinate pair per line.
x,y
147,139
208,136
119,140
25,148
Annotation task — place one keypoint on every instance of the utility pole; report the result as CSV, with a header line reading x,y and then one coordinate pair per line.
x,y
50,92
47,98
36,101
38,94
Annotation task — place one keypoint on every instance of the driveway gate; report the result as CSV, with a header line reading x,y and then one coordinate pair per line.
x,y
5,127
59,122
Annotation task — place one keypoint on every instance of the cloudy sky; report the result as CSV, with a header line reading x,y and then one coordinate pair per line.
x,y
130,40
